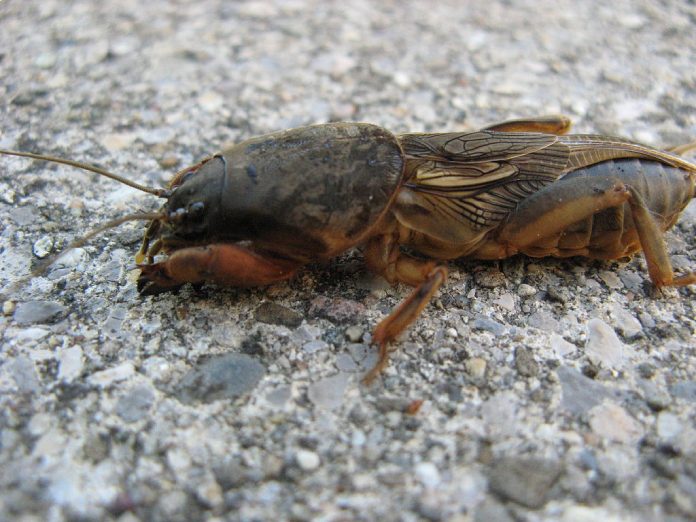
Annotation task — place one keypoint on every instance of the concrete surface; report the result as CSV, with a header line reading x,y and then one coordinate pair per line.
x,y
551,389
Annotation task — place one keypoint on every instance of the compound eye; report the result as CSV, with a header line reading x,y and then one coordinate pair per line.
x,y
196,209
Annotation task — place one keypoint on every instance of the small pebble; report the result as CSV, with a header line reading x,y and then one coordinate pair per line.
x,y
22,215
7,195
135,403
314,346
525,290
490,278
611,421
279,396
345,363
338,309
646,320
354,334
210,101
524,480
115,141
543,320
45,60
632,21
328,393
684,390
209,492
169,161
110,376
625,322
24,373
72,258
603,345
221,377
306,333
646,370
558,295
427,474
307,460
476,367
506,301
30,334
561,347
490,510
33,312
8,307
655,398
579,393
525,363
484,323
668,425
71,363
43,246
273,313
610,279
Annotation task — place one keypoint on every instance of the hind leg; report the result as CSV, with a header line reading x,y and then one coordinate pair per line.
x,y
540,221
556,124
653,244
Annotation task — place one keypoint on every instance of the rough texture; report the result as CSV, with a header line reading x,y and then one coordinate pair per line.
x,y
114,406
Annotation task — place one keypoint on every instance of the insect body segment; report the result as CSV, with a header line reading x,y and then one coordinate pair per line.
x,y
257,212
568,196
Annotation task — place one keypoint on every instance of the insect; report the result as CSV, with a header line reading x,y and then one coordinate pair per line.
x,y
258,211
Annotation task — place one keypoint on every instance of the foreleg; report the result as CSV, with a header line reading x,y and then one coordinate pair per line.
x,y
222,263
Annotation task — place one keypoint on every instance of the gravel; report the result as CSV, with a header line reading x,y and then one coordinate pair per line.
x,y
530,389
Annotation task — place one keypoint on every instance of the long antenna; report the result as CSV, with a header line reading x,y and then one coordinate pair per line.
x,y
160,193
41,268
141,216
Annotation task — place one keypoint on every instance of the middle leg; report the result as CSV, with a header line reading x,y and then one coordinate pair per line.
x,y
383,255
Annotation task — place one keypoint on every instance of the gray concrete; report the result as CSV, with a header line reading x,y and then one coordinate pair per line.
x,y
551,389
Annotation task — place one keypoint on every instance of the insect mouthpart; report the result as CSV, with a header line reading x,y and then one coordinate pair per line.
x,y
171,227
192,212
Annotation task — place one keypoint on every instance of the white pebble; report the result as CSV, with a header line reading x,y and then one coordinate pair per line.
x,y
561,347
506,301
668,425
314,346
307,460
625,322
476,367
43,246
116,141
210,101
117,373
525,290
610,279
8,307
603,345
427,474
612,422
71,363
354,334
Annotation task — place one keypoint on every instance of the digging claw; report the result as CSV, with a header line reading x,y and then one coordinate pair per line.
x,y
153,280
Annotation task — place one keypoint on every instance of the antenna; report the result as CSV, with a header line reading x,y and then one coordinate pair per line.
x,y
160,193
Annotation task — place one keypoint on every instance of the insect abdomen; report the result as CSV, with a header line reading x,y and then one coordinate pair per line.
x,y
611,233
